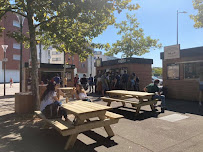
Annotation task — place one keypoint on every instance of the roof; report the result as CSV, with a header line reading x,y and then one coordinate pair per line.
x,y
190,52
127,61
56,66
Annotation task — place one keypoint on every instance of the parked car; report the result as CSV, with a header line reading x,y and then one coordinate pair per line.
x,y
160,80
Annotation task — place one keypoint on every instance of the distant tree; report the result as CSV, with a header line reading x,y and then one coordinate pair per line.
x,y
198,19
157,71
133,40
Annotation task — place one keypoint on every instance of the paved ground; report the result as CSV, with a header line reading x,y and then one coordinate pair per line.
x,y
144,133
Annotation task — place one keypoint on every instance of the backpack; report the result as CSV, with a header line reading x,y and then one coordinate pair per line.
x,y
52,111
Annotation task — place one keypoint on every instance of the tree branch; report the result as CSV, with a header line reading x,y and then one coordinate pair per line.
x,y
47,21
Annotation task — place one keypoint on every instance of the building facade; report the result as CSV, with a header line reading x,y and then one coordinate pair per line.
x,y
10,23
140,66
92,59
181,74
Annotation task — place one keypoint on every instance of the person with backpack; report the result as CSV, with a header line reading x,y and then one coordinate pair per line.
x,y
50,106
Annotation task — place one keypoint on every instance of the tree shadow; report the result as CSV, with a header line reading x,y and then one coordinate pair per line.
x,y
23,133
7,96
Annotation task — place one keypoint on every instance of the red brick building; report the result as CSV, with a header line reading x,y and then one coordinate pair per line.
x,y
141,67
80,67
10,23
181,75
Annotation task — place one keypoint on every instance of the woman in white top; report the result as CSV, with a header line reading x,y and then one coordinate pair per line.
x,y
79,93
50,106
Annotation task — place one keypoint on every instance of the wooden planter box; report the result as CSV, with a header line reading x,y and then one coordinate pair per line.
x,y
24,103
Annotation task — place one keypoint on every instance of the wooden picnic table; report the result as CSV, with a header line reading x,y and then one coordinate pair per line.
x,y
135,94
84,111
142,98
66,90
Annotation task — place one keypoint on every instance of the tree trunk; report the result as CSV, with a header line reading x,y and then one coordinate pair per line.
x,y
33,50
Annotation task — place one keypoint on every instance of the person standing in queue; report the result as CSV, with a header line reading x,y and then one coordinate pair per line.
x,y
90,81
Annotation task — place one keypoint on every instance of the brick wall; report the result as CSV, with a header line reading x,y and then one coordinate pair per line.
x,y
8,24
186,89
77,63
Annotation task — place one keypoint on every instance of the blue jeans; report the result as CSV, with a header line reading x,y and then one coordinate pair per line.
x,y
162,98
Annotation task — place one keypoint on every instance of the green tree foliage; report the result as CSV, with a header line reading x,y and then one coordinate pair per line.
x,y
198,19
68,24
133,40
157,71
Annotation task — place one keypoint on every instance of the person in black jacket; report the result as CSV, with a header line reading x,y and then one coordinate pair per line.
x,y
83,82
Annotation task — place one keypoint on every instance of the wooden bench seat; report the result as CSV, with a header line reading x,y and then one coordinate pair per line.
x,y
68,128
133,103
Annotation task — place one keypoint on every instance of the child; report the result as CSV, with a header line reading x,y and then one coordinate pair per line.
x,y
11,82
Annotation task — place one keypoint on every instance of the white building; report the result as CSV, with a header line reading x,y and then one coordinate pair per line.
x,y
51,55
91,61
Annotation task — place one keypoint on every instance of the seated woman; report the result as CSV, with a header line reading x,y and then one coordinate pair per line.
x,y
50,106
79,93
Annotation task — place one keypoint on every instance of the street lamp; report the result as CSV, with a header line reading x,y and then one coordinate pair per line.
x,y
4,60
177,23
21,20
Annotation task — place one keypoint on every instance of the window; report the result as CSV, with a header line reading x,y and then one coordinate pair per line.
x,y
55,53
16,57
56,59
16,46
16,23
83,65
192,70
173,72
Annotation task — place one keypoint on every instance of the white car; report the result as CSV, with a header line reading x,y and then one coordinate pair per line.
x,y
155,78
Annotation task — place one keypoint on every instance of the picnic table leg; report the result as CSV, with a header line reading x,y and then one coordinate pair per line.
x,y
152,107
109,103
108,129
137,111
123,103
72,138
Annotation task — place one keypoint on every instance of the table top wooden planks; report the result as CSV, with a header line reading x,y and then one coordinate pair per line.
x,y
66,88
133,93
83,107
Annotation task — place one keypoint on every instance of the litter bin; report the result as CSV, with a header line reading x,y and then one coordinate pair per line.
x,y
24,103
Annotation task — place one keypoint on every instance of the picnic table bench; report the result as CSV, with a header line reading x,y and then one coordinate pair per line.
x,y
141,99
82,111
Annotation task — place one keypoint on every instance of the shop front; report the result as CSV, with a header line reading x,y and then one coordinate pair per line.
x,y
183,72
48,71
140,66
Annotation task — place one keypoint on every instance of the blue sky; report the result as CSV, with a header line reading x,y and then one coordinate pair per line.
x,y
158,18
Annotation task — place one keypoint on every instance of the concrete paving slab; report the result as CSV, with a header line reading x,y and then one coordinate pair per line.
x,y
173,117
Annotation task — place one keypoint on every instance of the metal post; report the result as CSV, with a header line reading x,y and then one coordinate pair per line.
x,y
40,52
4,74
21,57
177,27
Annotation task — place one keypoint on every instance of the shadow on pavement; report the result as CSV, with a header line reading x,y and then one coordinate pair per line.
x,y
23,133
7,96
184,107
129,113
